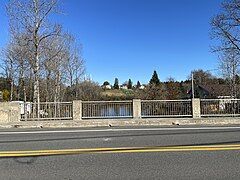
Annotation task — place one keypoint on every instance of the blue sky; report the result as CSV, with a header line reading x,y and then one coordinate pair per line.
x,y
131,38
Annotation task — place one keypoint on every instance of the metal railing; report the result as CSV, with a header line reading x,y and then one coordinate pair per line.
x,y
220,107
166,108
107,109
47,111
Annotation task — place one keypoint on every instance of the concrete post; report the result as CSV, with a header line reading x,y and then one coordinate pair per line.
x,y
15,111
77,110
137,108
196,108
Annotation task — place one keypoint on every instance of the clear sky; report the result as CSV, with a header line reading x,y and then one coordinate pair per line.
x,y
131,38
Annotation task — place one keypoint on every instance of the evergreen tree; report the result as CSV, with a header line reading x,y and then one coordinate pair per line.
x,y
129,85
138,85
116,84
154,80
106,83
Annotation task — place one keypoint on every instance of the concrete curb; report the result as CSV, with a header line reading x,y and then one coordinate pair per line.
x,y
124,122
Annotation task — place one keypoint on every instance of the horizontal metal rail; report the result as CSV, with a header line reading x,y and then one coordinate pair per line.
x,y
220,107
166,108
174,100
46,111
47,119
107,109
128,101
46,103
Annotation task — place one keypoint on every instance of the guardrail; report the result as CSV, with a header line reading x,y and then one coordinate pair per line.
x,y
220,107
107,109
166,108
136,109
46,111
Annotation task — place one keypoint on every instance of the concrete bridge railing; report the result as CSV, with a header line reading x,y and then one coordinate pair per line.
x,y
135,109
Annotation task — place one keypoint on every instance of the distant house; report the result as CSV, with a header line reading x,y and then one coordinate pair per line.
x,y
142,87
107,86
220,91
199,91
123,86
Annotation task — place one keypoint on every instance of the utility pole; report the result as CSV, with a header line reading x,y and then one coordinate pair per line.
x,y
192,86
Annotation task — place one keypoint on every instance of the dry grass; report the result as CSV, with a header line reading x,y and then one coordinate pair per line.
x,y
117,93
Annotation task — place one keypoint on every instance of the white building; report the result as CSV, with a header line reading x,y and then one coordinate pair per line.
x,y
142,87
107,86
124,86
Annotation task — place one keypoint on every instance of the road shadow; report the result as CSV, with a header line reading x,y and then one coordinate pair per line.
x,y
25,160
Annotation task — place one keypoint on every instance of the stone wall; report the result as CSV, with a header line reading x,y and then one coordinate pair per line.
x,y
9,112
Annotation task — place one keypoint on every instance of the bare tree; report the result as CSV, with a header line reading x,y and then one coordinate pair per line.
x,y
75,63
89,90
226,29
201,77
226,26
42,57
16,65
9,67
62,65
31,17
229,65
172,89
52,66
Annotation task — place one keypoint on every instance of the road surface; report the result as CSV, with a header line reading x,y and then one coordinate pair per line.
x,y
121,153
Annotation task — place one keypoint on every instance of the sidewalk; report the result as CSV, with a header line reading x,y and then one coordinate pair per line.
x,y
124,122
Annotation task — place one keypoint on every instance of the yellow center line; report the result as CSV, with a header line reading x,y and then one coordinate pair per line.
x,y
120,150
124,148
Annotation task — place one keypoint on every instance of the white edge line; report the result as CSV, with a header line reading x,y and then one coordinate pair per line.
x,y
115,130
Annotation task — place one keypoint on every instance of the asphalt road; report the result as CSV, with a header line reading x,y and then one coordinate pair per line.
x,y
121,153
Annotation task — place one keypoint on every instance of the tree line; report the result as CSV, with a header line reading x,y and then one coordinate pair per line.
x,y
40,59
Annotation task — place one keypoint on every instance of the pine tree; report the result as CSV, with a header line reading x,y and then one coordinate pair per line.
x,y
106,83
154,80
138,85
129,85
116,85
